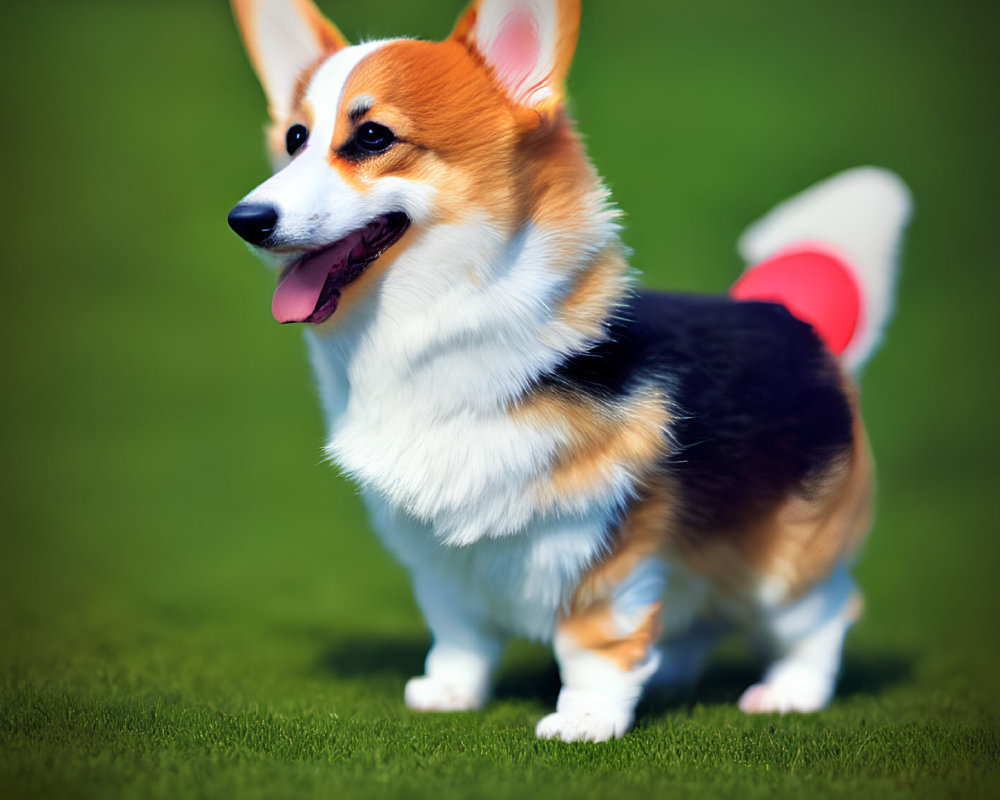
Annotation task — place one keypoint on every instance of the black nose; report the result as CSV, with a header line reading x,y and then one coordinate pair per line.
x,y
253,221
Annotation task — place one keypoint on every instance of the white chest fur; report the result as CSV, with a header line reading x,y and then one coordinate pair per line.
x,y
416,383
418,378
454,496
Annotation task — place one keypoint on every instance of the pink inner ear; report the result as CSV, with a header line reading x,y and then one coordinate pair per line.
x,y
515,49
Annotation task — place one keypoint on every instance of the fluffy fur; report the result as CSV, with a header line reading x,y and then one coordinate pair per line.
x,y
550,452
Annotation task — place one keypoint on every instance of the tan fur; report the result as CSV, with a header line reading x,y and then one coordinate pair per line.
x,y
556,178
797,541
595,629
806,536
416,97
516,167
601,437
642,534
598,289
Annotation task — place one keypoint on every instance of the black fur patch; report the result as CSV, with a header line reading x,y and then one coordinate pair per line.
x,y
757,398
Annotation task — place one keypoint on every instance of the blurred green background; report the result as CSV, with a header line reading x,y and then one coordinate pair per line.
x,y
191,604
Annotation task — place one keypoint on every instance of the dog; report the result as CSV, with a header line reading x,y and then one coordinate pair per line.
x,y
552,452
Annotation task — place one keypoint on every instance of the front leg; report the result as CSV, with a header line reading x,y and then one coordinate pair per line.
x,y
606,652
459,670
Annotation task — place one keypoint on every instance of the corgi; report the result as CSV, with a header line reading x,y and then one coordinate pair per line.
x,y
552,452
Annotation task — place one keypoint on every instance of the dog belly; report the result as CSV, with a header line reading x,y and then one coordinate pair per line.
x,y
515,584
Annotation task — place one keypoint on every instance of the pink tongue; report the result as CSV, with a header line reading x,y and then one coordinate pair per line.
x,y
302,282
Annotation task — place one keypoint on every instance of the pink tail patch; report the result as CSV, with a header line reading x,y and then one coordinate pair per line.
x,y
815,285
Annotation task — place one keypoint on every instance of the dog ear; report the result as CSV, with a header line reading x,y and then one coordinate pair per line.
x,y
527,44
283,38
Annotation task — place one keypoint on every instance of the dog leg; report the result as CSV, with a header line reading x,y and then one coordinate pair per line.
x,y
808,638
458,672
606,655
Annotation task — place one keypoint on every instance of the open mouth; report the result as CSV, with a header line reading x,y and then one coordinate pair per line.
x,y
309,287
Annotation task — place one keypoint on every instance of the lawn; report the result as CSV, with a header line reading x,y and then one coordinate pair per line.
x,y
191,603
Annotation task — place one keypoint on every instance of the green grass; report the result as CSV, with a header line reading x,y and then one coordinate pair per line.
x,y
192,605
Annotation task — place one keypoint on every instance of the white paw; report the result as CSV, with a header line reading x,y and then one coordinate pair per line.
x,y
582,727
425,693
800,691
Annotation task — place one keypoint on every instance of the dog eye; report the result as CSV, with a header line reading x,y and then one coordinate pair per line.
x,y
374,138
295,138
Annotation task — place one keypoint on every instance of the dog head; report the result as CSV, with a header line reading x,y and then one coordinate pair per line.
x,y
375,144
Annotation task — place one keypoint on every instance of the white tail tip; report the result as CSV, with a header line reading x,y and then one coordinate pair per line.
x,y
860,214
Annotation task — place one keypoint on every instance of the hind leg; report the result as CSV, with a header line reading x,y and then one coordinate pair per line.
x,y
805,639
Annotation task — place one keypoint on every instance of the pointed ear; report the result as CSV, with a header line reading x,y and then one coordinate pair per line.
x,y
528,44
283,38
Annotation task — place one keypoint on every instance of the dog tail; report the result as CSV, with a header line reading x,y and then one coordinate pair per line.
x,y
830,256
